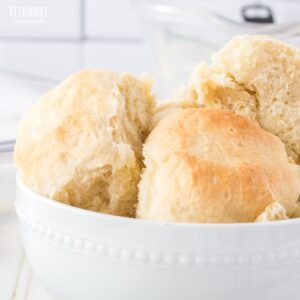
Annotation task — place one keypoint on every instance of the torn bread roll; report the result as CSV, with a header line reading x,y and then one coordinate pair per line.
x,y
273,212
81,142
213,166
257,77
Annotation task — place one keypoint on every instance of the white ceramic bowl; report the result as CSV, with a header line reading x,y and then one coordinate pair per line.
x,y
82,255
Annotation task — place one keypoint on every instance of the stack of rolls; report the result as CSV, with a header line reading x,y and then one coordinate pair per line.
x,y
226,151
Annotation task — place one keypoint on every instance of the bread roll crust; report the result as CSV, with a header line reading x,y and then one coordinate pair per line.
x,y
81,142
212,166
257,77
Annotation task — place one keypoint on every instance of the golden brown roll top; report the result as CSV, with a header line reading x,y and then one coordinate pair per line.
x,y
257,77
206,165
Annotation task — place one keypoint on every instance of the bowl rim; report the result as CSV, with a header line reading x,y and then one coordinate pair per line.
x,y
113,218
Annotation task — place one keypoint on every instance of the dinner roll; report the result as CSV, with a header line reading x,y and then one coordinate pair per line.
x,y
81,142
213,166
257,77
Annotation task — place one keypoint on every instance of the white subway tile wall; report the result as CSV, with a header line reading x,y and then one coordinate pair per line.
x,y
54,60
132,57
40,18
68,19
112,19
57,60
75,34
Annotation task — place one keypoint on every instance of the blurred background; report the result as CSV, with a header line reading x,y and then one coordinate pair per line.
x,y
44,41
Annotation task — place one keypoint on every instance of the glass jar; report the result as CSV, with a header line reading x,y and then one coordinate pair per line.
x,y
183,33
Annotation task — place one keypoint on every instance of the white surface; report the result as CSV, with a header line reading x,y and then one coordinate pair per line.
x,y
11,254
16,280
